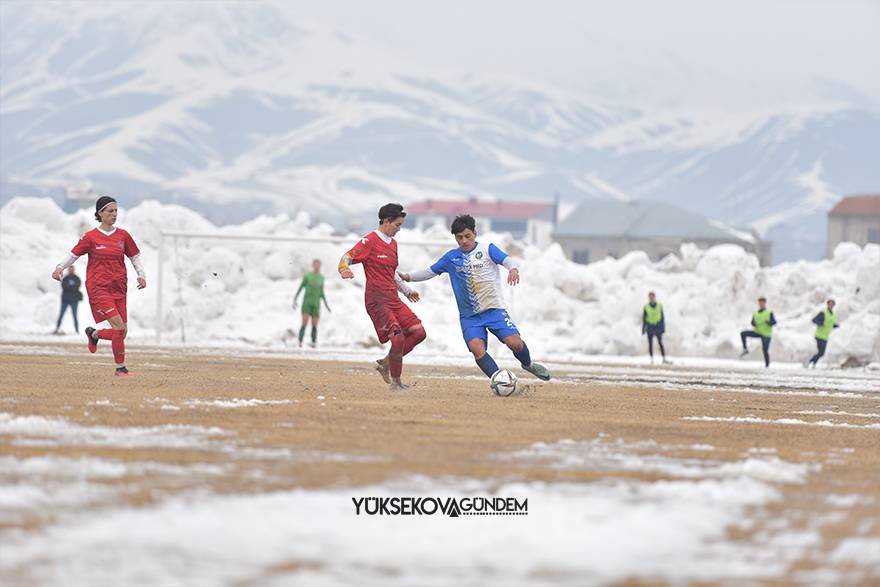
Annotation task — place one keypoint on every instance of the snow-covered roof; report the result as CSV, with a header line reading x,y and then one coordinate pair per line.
x,y
644,219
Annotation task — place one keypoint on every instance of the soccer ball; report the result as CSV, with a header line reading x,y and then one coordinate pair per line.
x,y
503,382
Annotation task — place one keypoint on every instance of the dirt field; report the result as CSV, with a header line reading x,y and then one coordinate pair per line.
x,y
339,426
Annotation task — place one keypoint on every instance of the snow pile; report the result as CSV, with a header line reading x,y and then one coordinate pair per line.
x,y
575,534
234,293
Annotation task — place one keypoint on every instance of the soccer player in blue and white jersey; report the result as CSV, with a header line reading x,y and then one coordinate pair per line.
x,y
476,282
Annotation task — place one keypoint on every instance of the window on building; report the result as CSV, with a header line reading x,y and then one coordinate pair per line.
x,y
581,256
874,235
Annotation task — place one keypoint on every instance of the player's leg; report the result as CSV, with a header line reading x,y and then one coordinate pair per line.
x,y
103,308
820,351
302,328
385,324
119,324
651,346
314,318
765,348
60,316
500,324
74,311
477,347
662,349
413,329
414,336
743,336
395,357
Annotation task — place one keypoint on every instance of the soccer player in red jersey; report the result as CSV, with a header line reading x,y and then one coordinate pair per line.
x,y
393,319
106,279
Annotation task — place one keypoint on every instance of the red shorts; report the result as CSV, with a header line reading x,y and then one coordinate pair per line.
x,y
390,316
106,305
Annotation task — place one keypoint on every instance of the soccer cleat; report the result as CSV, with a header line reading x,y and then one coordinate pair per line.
x,y
93,344
382,368
123,372
667,362
397,386
539,371
744,353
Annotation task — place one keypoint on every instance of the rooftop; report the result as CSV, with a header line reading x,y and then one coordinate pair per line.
x,y
861,205
644,219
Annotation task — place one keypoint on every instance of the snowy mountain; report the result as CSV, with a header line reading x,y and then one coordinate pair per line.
x,y
243,109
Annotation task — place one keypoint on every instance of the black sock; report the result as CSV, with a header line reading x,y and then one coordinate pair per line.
x,y
523,356
487,364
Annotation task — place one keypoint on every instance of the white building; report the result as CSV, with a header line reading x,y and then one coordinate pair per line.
x,y
855,219
610,228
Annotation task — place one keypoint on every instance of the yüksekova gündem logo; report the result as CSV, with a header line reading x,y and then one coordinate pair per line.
x,y
445,506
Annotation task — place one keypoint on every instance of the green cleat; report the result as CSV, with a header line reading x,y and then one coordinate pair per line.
x,y
539,371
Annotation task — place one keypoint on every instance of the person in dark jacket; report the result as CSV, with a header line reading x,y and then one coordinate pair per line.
x,y
825,322
763,322
654,325
70,297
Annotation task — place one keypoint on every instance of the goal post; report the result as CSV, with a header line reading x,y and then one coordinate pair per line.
x,y
174,235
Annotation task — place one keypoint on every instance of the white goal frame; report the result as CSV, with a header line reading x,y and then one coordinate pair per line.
x,y
174,235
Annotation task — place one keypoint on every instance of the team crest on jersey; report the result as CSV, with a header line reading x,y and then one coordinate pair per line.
x,y
479,255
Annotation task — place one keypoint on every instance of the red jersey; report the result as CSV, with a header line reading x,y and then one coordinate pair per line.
x,y
106,272
380,264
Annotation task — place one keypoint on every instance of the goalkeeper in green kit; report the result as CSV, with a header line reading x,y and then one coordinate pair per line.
x,y
313,283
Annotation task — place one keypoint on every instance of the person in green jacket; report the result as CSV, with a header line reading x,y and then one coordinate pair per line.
x,y
825,322
763,322
313,283
654,325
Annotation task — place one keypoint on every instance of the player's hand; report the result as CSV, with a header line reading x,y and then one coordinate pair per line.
x,y
413,296
346,274
142,283
513,277
294,304
403,276
56,275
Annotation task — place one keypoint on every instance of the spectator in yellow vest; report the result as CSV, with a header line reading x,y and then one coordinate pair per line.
x,y
825,322
654,324
763,322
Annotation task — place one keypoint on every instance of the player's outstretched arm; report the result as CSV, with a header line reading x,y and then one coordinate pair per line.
x,y
423,275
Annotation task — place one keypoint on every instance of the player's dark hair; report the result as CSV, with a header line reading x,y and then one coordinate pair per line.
x,y
463,222
762,299
391,212
102,203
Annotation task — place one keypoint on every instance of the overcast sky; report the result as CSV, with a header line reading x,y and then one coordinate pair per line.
x,y
684,52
